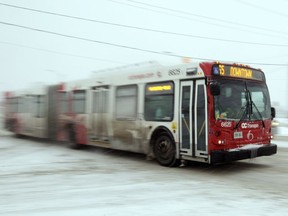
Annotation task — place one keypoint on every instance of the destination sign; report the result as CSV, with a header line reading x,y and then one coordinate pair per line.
x,y
160,88
237,72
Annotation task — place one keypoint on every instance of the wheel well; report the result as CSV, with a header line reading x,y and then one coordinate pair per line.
x,y
162,154
69,126
72,136
11,124
70,130
159,131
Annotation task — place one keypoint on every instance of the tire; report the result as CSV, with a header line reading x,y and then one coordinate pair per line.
x,y
72,143
165,151
13,129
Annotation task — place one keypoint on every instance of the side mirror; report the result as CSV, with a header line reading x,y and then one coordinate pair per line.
x,y
273,112
215,88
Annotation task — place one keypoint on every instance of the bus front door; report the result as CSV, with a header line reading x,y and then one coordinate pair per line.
x,y
186,135
200,123
193,118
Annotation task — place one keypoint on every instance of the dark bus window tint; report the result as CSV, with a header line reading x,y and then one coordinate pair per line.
x,y
79,100
63,98
13,104
21,105
41,106
34,105
201,109
37,105
126,102
159,102
100,100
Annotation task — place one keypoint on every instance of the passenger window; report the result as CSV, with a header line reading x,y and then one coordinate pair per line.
x,y
63,97
13,104
159,101
126,102
79,100
40,106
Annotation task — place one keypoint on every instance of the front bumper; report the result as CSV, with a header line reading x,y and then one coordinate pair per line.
x,y
242,153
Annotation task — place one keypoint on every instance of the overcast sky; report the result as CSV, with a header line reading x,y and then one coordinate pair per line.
x,y
44,41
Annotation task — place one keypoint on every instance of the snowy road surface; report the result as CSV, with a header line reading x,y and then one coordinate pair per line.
x,y
44,179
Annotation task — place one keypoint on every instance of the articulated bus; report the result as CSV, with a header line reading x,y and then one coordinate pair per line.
x,y
32,112
208,112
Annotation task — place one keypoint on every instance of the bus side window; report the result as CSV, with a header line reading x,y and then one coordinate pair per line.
x,y
79,101
159,102
126,102
13,104
40,106
63,100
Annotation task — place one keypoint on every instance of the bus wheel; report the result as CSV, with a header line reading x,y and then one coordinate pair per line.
x,y
72,143
165,151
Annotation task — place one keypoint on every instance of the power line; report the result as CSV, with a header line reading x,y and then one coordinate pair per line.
x,y
146,29
205,17
86,39
59,53
200,16
259,7
169,14
124,46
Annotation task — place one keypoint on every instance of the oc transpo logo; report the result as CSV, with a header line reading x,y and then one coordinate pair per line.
x,y
249,126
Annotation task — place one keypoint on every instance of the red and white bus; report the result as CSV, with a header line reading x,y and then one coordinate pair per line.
x,y
33,112
209,112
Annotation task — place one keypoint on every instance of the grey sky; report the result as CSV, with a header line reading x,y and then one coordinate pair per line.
x,y
242,31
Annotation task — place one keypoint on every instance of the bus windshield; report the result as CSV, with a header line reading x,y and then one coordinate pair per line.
x,y
242,100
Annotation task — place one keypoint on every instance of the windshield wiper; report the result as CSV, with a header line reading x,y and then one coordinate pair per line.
x,y
242,117
251,103
249,109
259,113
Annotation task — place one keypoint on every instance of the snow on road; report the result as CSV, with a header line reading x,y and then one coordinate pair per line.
x,y
47,179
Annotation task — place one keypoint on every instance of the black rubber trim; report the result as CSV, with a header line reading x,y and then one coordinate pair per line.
x,y
228,156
